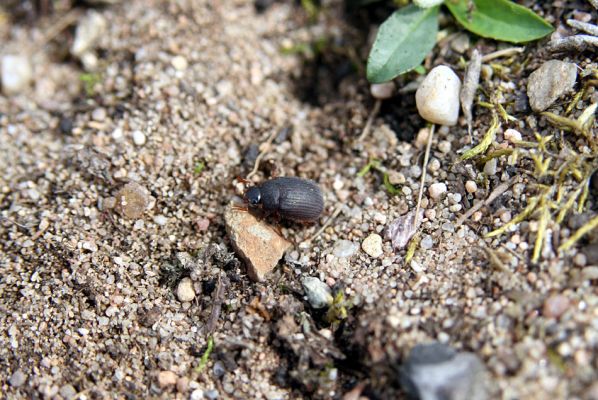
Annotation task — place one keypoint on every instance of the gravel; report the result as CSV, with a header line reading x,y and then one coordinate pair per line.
x,y
89,277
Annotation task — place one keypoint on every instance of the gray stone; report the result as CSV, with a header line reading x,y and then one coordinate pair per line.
x,y
317,292
437,372
344,248
17,379
218,369
68,392
549,82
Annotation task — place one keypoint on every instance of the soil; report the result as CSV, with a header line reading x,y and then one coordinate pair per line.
x,y
88,299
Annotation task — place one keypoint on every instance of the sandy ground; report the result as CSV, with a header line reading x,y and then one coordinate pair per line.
x,y
85,312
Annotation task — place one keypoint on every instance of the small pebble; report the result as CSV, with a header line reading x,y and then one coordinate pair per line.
x,y
436,190
218,369
396,178
555,305
437,98
68,392
185,291
372,245
430,214
202,224
132,200
471,187
460,43
317,292
434,165
16,74
382,91
182,384
445,146
117,134
344,248
99,114
17,379
160,220
490,167
512,135
139,138
427,242
197,394
580,260
179,63
89,30
166,379
505,216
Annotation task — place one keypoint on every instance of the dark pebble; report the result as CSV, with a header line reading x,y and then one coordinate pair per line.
x,y
66,125
250,155
591,253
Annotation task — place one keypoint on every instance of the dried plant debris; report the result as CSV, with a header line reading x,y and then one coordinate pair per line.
x,y
470,85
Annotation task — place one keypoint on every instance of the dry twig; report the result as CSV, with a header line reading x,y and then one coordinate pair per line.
x,y
423,179
368,124
500,189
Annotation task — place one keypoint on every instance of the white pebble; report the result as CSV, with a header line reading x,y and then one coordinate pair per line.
x,y
160,220
117,134
139,138
434,165
444,147
490,167
372,245
89,30
382,91
436,190
185,291
430,214
179,63
437,97
512,135
16,74
471,186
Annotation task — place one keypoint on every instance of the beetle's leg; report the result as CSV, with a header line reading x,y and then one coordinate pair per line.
x,y
240,207
244,181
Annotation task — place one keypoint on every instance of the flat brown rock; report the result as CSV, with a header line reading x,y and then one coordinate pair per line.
x,y
255,241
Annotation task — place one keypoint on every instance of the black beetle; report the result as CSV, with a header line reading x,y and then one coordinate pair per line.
x,y
291,198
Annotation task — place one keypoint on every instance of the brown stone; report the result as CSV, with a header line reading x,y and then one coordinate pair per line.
x,y
255,241
132,200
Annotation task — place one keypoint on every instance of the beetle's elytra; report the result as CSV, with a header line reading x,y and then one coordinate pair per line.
x,y
291,198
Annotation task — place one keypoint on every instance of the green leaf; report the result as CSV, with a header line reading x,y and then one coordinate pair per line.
x,y
402,43
499,19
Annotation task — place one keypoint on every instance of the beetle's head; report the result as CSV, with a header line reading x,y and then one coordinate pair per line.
x,y
253,196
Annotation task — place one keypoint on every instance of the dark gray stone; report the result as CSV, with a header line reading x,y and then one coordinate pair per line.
x,y
437,372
